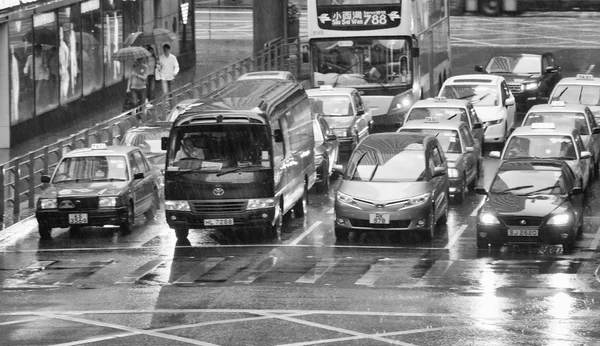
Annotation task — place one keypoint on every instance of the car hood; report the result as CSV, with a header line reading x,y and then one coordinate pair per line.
x,y
521,77
342,122
488,113
513,205
85,189
383,191
595,110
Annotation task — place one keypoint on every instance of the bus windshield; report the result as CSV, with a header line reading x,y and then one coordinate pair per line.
x,y
362,62
219,147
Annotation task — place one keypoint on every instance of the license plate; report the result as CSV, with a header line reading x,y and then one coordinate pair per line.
x,y
522,232
78,219
379,218
218,222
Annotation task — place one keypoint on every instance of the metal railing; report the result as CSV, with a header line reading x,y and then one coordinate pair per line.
x,y
21,176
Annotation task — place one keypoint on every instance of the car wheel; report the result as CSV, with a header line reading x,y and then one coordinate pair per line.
x,y
182,233
490,7
127,225
473,184
301,205
323,187
44,231
482,244
459,197
150,214
341,234
579,231
593,175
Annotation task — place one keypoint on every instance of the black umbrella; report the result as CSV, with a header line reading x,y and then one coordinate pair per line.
x,y
42,36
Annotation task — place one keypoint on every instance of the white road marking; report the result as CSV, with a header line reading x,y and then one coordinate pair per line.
x,y
590,68
376,271
596,241
476,210
141,272
199,270
305,233
318,270
33,319
596,273
455,236
331,211
259,267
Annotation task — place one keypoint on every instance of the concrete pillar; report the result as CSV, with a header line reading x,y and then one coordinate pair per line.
x,y
269,21
4,89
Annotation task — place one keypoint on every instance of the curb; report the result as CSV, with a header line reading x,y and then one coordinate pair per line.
x,y
18,230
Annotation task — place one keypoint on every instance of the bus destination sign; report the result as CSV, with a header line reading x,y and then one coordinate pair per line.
x,y
359,17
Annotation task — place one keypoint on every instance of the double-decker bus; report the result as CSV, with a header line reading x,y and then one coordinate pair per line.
x,y
394,52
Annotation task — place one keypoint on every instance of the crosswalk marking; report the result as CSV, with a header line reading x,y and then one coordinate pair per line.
x,y
377,270
199,270
84,271
140,272
260,268
318,270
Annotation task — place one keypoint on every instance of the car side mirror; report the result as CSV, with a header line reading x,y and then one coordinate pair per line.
x,y
477,126
137,176
469,150
278,136
360,112
478,68
495,154
331,137
337,168
586,154
577,191
164,143
439,171
596,130
397,125
480,191
509,102
45,179
544,99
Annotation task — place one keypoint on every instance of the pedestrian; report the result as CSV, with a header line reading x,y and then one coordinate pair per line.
x,y
151,84
137,82
37,69
168,68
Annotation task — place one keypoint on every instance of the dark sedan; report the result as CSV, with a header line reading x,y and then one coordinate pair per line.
x,y
326,152
530,202
530,77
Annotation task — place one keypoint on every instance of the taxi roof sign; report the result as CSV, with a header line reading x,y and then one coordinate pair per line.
x,y
440,98
584,76
98,146
543,126
431,120
326,87
557,103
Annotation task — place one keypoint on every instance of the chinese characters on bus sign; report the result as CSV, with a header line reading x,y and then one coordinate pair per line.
x,y
358,17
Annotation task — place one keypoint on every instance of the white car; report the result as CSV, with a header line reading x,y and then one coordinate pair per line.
x,y
582,89
285,75
493,102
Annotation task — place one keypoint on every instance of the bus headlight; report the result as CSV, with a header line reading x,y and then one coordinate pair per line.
x,y
47,203
260,203
177,205
107,201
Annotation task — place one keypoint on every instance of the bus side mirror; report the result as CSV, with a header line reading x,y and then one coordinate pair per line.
x,y
278,136
577,191
415,52
164,143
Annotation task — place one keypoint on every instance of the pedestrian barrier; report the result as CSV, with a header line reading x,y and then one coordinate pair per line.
x,y
21,177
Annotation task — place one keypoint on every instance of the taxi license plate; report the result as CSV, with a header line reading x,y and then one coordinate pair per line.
x,y
78,219
522,232
379,218
218,222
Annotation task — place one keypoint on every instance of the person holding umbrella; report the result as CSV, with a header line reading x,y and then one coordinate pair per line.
x,y
37,69
136,85
151,84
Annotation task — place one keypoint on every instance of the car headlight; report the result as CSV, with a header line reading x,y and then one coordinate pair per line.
x,y
260,203
417,200
488,219
345,199
177,205
108,201
559,220
530,86
341,132
492,122
47,203
452,173
318,159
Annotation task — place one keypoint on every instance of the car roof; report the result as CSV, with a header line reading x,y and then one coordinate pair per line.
x,y
334,91
519,54
109,151
266,75
579,81
559,130
480,78
434,102
522,164
568,107
438,125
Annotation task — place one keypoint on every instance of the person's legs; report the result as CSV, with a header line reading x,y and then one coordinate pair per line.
x,y
135,101
150,87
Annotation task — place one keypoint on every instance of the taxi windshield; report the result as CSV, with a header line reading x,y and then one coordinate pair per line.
x,y
479,95
448,139
571,120
515,64
331,105
528,182
441,113
91,168
549,146
588,95
388,166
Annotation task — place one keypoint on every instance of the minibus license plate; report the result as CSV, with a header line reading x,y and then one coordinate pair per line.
x,y
522,232
78,219
379,218
218,222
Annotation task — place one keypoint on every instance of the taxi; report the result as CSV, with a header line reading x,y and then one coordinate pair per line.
x,y
570,115
393,182
448,109
345,112
462,151
546,141
98,186
531,201
582,89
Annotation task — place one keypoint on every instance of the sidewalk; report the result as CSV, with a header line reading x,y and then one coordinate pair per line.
x,y
109,109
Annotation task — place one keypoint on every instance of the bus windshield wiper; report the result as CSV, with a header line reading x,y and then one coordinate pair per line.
x,y
344,71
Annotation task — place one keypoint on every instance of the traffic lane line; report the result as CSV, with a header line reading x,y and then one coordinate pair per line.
x,y
305,233
455,236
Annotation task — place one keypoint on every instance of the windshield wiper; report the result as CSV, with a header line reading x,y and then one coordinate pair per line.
x,y
539,190
452,117
108,179
516,188
357,163
479,99
238,169
344,71
374,171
